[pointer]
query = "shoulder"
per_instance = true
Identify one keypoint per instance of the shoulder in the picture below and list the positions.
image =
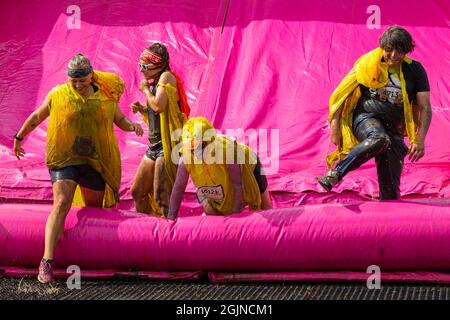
(57, 89)
(110, 83)
(415, 67)
(108, 78)
(168, 77)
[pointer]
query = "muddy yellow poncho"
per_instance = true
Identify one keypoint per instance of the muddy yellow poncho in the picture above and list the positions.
(371, 72)
(213, 171)
(80, 131)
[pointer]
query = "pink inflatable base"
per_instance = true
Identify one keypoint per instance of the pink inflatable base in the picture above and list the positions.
(322, 241)
(266, 70)
(17, 272)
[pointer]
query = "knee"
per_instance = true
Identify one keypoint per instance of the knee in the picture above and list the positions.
(208, 209)
(266, 203)
(62, 205)
(159, 167)
(381, 142)
(160, 177)
(137, 193)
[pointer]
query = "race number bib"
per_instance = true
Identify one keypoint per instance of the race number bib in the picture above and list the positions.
(210, 192)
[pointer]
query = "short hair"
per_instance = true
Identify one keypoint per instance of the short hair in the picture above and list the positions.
(397, 38)
(79, 61)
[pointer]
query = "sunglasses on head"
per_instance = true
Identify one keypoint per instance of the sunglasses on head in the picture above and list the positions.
(147, 67)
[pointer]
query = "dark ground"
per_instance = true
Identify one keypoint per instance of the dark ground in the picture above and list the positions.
(30, 289)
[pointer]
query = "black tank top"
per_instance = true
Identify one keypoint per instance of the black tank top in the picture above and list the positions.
(154, 125)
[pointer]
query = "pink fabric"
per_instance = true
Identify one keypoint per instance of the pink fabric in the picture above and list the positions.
(270, 66)
(102, 274)
(395, 235)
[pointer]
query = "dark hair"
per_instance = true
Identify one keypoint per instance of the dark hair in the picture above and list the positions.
(397, 38)
(161, 50)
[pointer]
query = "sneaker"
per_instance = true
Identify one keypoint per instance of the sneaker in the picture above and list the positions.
(45, 271)
(329, 180)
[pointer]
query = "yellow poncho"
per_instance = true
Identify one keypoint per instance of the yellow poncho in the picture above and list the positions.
(371, 72)
(80, 131)
(213, 171)
(171, 120)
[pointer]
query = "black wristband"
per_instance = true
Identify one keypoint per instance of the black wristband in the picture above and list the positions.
(17, 137)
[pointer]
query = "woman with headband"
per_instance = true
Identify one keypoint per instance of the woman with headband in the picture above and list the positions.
(82, 151)
(165, 110)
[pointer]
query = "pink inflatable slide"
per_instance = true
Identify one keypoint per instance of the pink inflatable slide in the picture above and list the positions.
(262, 71)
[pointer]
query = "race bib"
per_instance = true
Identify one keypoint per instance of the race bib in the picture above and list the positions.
(210, 192)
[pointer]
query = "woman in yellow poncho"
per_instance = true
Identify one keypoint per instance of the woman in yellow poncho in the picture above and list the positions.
(82, 152)
(227, 174)
(165, 111)
(372, 108)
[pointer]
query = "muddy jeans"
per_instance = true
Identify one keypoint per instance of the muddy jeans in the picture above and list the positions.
(379, 141)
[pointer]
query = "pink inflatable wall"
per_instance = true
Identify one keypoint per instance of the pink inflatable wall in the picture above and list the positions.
(266, 67)
(309, 243)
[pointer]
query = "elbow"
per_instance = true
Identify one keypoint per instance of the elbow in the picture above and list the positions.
(35, 119)
(158, 106)
(158, 109)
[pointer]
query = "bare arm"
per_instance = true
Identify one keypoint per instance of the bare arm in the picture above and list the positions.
(158, 102)
(417, 148)
(125, 124)
(178, 190)
(33, 120)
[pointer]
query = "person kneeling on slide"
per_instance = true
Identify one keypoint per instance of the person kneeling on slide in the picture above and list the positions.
(228, 175)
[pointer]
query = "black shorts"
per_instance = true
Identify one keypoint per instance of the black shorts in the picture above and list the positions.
(260, 177)
(82, 174)
(155, 151)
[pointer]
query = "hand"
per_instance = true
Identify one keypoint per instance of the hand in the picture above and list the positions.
(144, 86)
(137, 129)
(336, 137)
(171, 215)
(137, 106)
(416, 150)
(18, 150)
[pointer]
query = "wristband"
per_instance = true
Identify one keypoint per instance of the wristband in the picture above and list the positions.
(17, 137)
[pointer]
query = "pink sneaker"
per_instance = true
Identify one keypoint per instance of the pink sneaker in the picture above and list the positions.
(45, 271)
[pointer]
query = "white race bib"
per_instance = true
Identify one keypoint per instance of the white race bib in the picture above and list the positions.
(210, 192)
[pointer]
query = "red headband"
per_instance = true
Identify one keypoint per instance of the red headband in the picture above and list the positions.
(151, 57)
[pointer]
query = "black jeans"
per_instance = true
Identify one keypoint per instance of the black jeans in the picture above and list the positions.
(388, 148)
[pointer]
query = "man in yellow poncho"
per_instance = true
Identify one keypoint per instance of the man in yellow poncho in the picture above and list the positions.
(372, 108)
(227, 174)
(82, 150)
